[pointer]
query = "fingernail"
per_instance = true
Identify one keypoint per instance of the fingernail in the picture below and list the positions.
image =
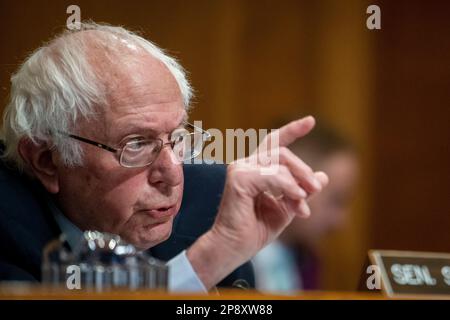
(305, 209)
(302, 193)
(316, 184)
(310, 117)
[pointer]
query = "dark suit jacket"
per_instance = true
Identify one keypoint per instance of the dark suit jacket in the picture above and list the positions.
(27, 224)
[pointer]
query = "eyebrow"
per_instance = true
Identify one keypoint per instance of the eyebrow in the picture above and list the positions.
(133, 129)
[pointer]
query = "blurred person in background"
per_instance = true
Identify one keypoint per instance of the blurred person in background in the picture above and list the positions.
(292, 263)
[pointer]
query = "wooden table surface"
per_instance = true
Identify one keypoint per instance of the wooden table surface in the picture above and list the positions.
(35, 292)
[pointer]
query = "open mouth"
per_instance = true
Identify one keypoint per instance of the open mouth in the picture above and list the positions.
(164, 209)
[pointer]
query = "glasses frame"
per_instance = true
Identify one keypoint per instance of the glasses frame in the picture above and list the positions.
(118, 151)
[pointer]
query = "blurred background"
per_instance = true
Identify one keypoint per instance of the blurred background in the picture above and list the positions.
(255, 62)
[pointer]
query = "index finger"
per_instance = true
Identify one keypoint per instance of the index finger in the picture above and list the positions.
(288, 133)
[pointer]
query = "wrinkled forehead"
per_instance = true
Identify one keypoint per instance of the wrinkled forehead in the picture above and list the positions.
(148, 97)
(136, 112)
(139, 89)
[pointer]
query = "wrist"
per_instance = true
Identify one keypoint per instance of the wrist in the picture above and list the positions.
(213, 257)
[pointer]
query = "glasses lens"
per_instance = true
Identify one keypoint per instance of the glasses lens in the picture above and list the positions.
(188, 145)
(140, 153)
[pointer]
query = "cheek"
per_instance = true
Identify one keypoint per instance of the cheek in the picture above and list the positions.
(101, 201)
(119, 200)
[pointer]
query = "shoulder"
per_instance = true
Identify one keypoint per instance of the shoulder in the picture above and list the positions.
(25, 224)
(203, 187)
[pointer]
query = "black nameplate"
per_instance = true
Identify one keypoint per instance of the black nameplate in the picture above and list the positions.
(406, 273)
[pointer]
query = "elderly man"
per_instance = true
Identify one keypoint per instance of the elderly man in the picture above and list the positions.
(99, 117)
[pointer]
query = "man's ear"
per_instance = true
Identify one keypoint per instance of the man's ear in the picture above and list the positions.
(42, 162)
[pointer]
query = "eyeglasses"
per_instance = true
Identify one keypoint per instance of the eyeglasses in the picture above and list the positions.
(141, 152)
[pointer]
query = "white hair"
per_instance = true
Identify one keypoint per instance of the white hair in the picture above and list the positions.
(56, 85)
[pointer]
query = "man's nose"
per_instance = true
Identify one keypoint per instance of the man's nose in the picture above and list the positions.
(166, 168)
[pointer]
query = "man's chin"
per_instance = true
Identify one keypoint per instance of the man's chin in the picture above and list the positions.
(151, 236)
